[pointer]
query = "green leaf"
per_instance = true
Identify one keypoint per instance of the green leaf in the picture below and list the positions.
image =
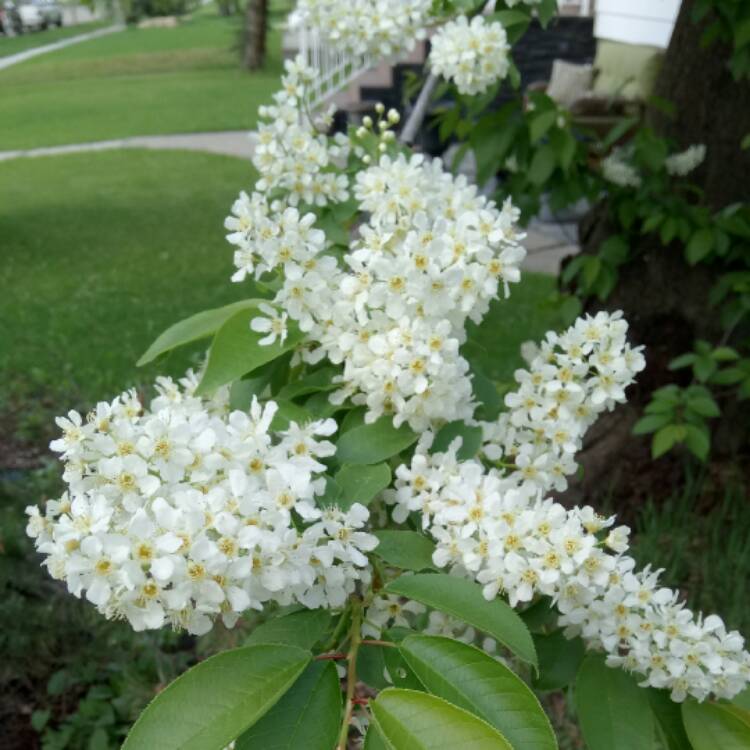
(592, 266)
(559, 660)
(666, 438)
(704, 367)
(684, 360)
(668, 719)
(614, 250)
(401, 674)
(547, 11)
(307, 716)
(236, 351)
(697, 441)
(618, 131)
(710, 726)
(485, 390)
(287, 413)
(490, 139)
(360, 484)
(541, 123)
(374, 740)
(573, 268)
(409, 550)
(509, 18)
(725, 354)
(371, 667)
(471, 679)
(700, 245)
(471, 439)
(302, 629)
(651, 423)
(214, 702)
(242, 391)
(703, 405)
(742, 699)
(566, 146)
(331, 494)
(613, 712)
(315, 382)
(539, 615)
(729, 376)
(410, 720)
(463, 599)
(542, 165)
(373, 443)
(196, 327)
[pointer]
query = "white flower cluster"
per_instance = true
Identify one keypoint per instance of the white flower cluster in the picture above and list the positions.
(291, 154)
(498, 527)
(513, 542)
(474, 55)
(618, 171)
(188, 511)
(682, 164)
(366, 27)
(432, 255)
(572, 378)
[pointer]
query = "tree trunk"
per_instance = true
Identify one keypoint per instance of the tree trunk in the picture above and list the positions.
(664, 299)
(256, 20)
(711, 108)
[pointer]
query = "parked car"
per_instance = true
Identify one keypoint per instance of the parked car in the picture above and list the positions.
(10, 19)
(39, 14)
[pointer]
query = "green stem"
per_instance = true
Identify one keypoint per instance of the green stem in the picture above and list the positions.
(340, 625)
(355, 639)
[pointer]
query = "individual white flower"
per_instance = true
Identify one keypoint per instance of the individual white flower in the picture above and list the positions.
(387, 611)
(274, 325)
(473, 55)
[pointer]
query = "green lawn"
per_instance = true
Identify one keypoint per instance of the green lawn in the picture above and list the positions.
(13, 44)
(136, 82)
(100, 253)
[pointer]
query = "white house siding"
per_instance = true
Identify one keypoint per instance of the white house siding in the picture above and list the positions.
(636, 21)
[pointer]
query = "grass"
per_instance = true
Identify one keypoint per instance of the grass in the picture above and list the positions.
(101, 253)
(703, 550)
(136, 82)
(11, 45)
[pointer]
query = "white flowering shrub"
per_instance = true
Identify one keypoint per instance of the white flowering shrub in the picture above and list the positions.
(325, 481)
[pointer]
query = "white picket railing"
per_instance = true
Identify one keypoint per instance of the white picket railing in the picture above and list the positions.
(335, 69)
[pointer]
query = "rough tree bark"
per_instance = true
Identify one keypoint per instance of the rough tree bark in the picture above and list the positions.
(256, 21)
(664, 299)
(711, 108)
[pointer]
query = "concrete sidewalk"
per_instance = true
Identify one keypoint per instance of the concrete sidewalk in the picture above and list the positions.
(19, 57)
(239, 143)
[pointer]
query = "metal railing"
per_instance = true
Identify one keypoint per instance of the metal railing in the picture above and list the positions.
(335, 69)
